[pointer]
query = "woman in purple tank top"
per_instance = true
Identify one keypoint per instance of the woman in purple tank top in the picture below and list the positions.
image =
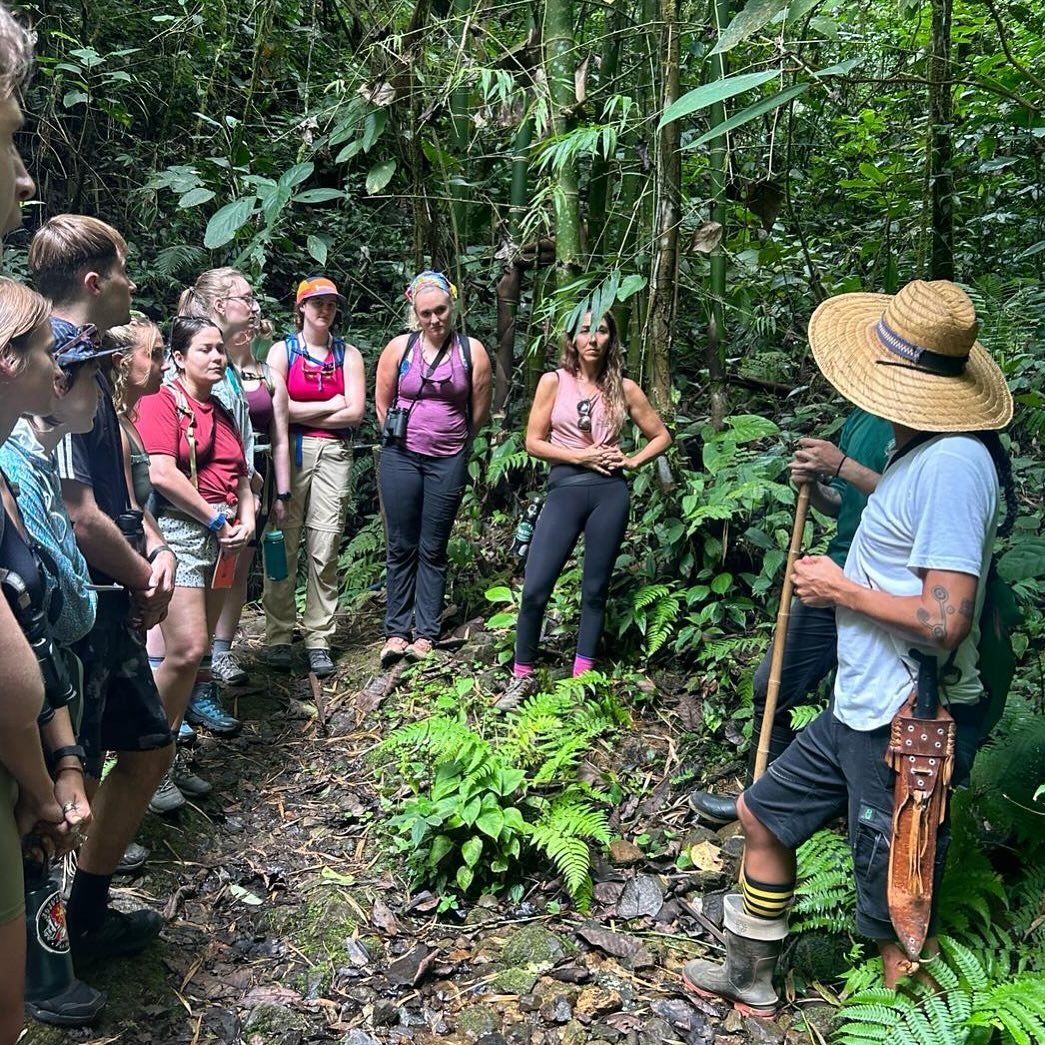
(575, 424)
(432, 394)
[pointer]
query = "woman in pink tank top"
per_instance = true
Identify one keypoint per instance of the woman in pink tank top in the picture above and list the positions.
(326, 396)
(432, 393)
(575, 425)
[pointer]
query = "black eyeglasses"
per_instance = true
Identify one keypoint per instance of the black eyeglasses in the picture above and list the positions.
(584, 414)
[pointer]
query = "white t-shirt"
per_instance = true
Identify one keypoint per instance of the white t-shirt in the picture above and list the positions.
(934, 509)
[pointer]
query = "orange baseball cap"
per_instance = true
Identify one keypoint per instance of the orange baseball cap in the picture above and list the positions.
(317, 287)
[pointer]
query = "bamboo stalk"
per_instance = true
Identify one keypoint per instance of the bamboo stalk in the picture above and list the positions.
(780, 632)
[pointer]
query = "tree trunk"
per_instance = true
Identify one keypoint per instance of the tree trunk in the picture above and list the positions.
(509, 286)
(718, 163)
(600, 180)
(559, 62)
(941, 114)
(660, 323)
(459, 128)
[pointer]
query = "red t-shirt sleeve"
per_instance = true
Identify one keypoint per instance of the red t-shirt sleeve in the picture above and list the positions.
(158, 424)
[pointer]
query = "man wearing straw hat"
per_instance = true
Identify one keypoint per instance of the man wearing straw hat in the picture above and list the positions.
(910, 588)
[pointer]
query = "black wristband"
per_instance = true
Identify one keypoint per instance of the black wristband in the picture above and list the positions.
(158, 551)
(69, 751)
(838, 470)
(283, 496)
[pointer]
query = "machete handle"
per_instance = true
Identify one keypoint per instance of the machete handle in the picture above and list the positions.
(927, 699)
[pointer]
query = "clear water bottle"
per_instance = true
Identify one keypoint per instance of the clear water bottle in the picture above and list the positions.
(524, 531)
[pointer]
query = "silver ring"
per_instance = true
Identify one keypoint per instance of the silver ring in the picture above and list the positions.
(68, 806)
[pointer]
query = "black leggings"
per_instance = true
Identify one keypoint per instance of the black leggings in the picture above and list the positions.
(583, 502)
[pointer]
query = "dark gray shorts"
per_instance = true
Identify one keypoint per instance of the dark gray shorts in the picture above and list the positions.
(122, 710)
(831, 770)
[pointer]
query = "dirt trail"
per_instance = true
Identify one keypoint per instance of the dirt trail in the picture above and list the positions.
(287, 922)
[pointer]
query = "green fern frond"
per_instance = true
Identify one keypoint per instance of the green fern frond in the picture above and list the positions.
(649, 594)
(825, 893)
(661, 623)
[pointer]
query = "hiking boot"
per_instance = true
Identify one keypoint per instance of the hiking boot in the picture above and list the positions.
(119, 935)
(518, 689)
(278, 657)
(186, 736)
(167, 798)
(419, 649)
(205, 709)
(713, 809)
(133, 859)
(746, 976)
(393, 650)
(319, 662)
(187, 782)
(225, 669)
(77, 1006)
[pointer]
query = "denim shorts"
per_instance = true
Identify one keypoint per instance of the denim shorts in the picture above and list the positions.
(831, 770)
(122, 710)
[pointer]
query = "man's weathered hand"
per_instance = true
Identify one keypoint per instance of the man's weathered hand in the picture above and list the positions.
(818, 581)
(814, 459)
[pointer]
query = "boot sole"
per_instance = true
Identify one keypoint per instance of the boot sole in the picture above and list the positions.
(741, 1007)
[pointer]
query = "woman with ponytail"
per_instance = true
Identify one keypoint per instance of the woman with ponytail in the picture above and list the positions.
(575, 424)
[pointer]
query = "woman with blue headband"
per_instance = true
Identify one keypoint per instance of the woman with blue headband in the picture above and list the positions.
(432, 394)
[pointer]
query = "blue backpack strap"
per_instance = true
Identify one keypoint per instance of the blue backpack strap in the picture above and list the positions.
(293, 347)
(339, 352)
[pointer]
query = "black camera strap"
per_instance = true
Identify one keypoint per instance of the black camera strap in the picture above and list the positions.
(412, 342)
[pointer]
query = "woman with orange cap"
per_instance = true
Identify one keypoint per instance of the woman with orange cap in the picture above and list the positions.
(324, 378)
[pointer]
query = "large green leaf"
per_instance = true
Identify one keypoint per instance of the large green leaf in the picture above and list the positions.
(317, 247)
(379, 176)
(226, 222)
(472, 850)
(752, 112)
(756, 14)
(194, 197)
(1024, 561)
(720, 90)
(319, 195)
(296, 175)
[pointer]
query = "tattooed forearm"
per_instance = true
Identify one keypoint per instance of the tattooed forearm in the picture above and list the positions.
(934, 621)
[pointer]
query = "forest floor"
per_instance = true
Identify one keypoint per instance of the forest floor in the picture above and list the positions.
(289, 922)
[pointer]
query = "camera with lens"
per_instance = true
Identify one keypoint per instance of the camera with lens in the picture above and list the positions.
(394, 430)
(58, 689)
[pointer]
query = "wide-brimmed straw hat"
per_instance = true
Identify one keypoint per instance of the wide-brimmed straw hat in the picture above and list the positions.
(912, 358)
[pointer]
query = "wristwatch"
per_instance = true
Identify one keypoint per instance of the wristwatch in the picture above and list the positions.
(158, 551)
(216, 523)
(283, 496)
(69, 751)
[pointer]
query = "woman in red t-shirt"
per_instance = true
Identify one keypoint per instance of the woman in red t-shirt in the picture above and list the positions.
(198, 469)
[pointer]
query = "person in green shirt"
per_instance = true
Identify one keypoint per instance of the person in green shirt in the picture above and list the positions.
(842, 478)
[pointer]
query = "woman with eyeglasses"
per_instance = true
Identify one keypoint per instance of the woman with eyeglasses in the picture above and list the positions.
(432, 394)
(199, 471)
(326, 396)
(225, 297)
(266, 394)
(575, 425)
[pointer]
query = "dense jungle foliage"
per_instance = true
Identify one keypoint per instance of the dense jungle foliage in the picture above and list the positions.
(710, 170)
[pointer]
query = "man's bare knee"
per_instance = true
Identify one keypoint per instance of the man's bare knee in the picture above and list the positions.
(144, 768)
(755, 832)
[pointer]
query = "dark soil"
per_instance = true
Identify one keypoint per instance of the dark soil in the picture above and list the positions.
(288, 922)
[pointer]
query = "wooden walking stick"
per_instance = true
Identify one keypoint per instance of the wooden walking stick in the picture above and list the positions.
(783, 616)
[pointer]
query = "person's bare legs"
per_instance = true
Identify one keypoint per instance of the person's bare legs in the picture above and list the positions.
(766, 858)
(234, 598)
(186, 639)
(12, 980)
(119, 806)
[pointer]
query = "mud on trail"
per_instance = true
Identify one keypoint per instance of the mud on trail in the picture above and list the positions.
(289, 920)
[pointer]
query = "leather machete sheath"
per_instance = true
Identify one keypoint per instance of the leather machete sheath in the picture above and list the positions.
(921, 751)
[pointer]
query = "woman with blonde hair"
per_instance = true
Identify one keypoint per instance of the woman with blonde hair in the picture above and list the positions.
(432, 394)
(225, 298)
(575, 425)
(326, 397)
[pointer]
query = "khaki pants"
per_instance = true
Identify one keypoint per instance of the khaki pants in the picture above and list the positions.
(320, 489)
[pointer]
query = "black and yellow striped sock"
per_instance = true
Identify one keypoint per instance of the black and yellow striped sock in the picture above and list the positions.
(762, 900)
